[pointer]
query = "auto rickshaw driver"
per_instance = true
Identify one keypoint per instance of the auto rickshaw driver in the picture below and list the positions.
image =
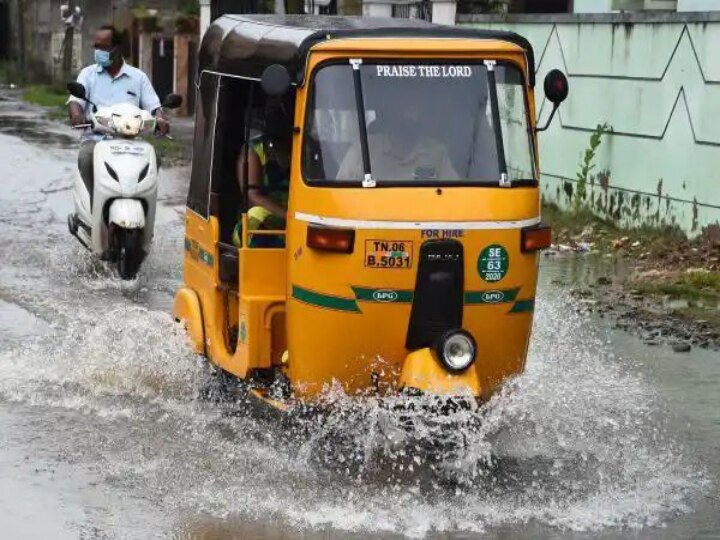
(399, 144)
(268, 177)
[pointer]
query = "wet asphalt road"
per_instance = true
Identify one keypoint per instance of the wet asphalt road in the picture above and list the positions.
(102, 433)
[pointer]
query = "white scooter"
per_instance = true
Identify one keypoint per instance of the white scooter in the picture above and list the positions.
(116, 220)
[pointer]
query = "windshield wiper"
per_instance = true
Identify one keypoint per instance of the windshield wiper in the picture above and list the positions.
(360, 104)
(495, 109)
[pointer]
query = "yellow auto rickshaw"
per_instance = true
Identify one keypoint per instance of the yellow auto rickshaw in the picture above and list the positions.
(407, 257)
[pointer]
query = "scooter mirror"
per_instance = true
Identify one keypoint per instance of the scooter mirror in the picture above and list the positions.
(275, 80)
(172, 101)
(76, 89)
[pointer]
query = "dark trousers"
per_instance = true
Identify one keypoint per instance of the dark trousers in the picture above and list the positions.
(85, 165)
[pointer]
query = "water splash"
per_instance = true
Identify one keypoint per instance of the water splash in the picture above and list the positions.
(577, 442)
(126, 351)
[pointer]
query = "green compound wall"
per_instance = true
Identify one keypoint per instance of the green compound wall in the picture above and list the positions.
(655, 79)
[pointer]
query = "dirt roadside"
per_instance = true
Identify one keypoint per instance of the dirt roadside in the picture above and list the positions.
(659, 285)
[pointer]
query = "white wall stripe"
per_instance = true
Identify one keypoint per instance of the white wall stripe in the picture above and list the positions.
(424, 225)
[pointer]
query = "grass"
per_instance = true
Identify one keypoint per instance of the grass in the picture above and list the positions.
(571, 222)
(692, 286)
(568, 225)
(46, 96)
(169, 151)
(707, 281)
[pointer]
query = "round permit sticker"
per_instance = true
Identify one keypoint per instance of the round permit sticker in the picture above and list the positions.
(493, 263)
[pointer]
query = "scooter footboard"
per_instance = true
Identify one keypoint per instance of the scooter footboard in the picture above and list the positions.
(127, 213)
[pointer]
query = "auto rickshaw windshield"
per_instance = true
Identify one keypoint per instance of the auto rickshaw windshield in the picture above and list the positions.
(426, 123)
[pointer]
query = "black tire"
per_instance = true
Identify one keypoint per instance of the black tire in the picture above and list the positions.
(130, 254)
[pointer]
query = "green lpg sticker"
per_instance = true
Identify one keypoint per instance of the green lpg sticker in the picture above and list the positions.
(493, 263)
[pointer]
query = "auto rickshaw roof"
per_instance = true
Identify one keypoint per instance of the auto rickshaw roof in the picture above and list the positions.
(244, 45)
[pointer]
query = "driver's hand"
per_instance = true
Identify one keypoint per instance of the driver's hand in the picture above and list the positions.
(163, 126)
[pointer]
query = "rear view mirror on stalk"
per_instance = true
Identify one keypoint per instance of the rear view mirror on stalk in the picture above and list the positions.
(556, 86)
(556, 90)
(76, 90)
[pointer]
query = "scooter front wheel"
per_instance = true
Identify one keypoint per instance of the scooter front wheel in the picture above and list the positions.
(130, 253)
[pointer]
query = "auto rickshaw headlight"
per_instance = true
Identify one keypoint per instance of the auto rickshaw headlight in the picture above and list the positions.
(456, 350)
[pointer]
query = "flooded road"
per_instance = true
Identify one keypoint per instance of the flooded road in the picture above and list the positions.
(102, 433)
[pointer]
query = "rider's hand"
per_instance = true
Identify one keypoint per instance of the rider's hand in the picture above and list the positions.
(163, 126)
(76, 113)
(76, 119)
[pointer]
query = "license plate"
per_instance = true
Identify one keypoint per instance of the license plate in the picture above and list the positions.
(126, 149)
(388, 254)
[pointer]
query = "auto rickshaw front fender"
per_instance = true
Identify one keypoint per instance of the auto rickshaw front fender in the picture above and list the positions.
(423, 371)
(188, 310)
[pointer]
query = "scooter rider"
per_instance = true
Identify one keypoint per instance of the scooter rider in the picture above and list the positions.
(108, 82)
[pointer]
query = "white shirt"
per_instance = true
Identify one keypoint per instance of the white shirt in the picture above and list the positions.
(130, 85)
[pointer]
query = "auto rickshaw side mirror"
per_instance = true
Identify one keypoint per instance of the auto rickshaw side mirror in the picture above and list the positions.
(556, 90)
(275, 80)
(172, 101)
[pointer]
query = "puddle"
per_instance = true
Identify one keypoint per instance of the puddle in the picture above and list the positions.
(35, 131)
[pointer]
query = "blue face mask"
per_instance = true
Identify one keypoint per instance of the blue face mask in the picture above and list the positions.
(102, 58)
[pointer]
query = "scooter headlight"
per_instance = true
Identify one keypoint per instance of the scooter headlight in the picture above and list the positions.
(456, 350)
(127, 125)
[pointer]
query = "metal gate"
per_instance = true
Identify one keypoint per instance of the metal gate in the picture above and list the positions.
(321, 7)
(163, 60)
(414, 10)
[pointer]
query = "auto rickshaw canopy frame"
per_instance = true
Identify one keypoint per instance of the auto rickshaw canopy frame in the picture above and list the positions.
(245, 45)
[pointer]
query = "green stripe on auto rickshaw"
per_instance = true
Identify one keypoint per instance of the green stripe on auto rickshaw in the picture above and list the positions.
(324, 300)
(524, 306)
(394, 296)
(206, 257)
